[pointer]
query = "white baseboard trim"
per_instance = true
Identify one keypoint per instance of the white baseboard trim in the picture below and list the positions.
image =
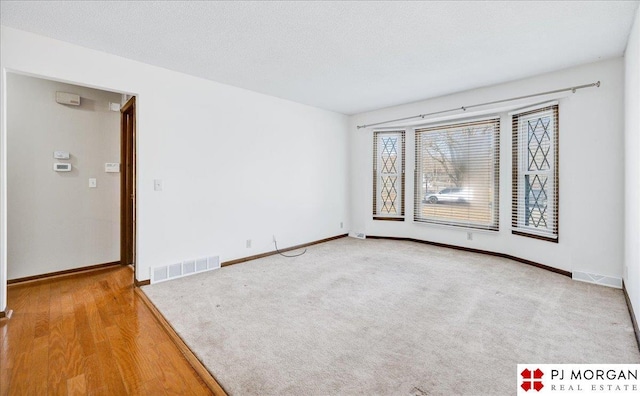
(597, 279)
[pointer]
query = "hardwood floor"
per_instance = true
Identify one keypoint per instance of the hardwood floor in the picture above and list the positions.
(89, 334)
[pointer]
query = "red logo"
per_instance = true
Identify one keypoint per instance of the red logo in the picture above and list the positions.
(532, 379)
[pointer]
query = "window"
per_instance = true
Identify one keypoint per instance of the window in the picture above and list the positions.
(457, 174)
(535, 173)
(388, 175)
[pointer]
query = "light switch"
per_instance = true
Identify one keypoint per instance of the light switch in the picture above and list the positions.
(157, 185)
(93, 183)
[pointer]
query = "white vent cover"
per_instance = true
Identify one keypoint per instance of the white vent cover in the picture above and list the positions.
(187, 267)
(597, 279)
(159, 274)
(175, 270)
(359, 235)
(201, 264)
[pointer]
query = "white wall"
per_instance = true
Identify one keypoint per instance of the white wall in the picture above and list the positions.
(591, 173)
(632, 166)
(235, 164)
(55, 221)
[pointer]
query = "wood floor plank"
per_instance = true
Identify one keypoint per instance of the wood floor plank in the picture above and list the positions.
(38, 367)
(89, 334)
(93, 374)
(195, 385)
(4, 381)
(102, 391)
(133, 367)
(77, 386)
(172, 379)
(96, 324)
(153, 388)
(20, 297)
(20, 346)
(19, 385)
(55, 303)
(104, 309)
(41, 327)
(66, 300)
(85, 336)
(42, 311)
(109, 369)
(56, 374)
(74, 361)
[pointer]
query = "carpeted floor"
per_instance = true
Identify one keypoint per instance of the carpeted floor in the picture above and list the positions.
(380, 317)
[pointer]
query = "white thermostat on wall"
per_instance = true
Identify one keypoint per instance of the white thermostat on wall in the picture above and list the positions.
(61, 167)
(112, 167)
(61, 154)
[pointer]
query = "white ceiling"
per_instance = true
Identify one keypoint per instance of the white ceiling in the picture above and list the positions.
(347, 57)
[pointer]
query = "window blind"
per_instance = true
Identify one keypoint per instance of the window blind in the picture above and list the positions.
(534, 206)
(457, 174)
(388, 175)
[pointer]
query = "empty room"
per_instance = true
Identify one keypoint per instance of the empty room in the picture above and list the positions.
(319, 198)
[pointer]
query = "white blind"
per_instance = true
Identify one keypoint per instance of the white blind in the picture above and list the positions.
(457, 174)
(388, 175)
(535, 173)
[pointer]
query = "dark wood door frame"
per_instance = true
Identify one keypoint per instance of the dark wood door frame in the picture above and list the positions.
(128, 184)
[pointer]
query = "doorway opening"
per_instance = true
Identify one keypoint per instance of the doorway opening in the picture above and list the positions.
(66, 172)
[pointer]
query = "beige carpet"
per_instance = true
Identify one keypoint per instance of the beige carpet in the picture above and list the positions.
(369, 317)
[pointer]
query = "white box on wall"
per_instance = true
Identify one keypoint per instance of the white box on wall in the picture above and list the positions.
(67, 98)
(112, 167)
(61, 155)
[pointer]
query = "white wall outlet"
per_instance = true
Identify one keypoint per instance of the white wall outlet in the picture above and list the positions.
(469, 236)
(93, 183)
(248, 243)
(157, 185)
(341, 225)
(274, 238)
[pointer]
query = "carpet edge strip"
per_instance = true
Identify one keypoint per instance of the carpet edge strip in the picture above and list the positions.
(634, 321)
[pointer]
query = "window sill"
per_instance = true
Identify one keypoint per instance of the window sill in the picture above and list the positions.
(388, 218)
(460, 228)
(534, 236)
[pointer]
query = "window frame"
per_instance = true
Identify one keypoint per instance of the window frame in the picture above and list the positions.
(468, 224)
(377, 188)
(520, 168)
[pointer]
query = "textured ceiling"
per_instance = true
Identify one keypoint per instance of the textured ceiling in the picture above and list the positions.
(348, 57)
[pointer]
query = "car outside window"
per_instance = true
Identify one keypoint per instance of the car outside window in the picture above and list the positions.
(457, 174)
